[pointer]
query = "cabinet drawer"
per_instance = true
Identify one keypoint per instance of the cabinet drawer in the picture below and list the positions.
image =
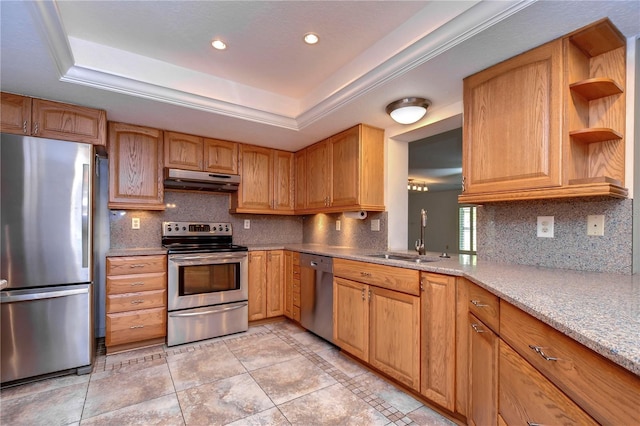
(527, 397)
(136, 301)
(485, 306)
(296, 260)
(135, 326)
(606, 391)
(136, 265)
(296, 299)
(296, 313)
(389, 277)
(296, 272)
(120, 284)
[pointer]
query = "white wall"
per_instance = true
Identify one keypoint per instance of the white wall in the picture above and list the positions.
(396, 196)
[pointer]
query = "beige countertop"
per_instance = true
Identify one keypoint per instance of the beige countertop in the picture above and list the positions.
(601, 311)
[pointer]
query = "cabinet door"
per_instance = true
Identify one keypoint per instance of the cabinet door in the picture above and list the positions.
(300, 159)
(394, 335)
(15, 114)
(68, 122)
(319, 172)
(512, 123)
(527, 397)
(256, 188)
(351, 317)
(275, 283)
(282, 180)
(438, 310)
(182, 151)
(135, 167)
(220, 156)
(257, 285)
(288, 284)
(345, 163)
(483, 374)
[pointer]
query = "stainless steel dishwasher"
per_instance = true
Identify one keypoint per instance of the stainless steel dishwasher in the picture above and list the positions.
(316, 295)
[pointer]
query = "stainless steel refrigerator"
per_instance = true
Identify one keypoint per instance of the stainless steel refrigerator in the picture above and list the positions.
(45, 213)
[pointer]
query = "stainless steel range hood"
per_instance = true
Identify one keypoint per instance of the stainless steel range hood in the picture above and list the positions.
(200, 181)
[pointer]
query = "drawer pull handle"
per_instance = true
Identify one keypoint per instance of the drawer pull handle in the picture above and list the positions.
(137, 302)
(137, 265)
(538, 349)
(365, 274)
(477, 328)
(137, 283)
(136, 326)
(533, 423)
(477, 303)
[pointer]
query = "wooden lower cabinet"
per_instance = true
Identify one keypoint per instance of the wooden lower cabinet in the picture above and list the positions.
(292, 285)
(380, 327)
(483, 374)
(266, 284)
(136, 304)
(527, 397)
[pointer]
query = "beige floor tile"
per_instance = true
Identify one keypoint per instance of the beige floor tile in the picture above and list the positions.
(264, 352)
(270, 417)
(284, 327)
(192, 369)
(223, 402)
(159, 411)
(42, 386)
(57, 406)
(347, 366)
(334, 405)
(291, 379)
(311, 341)
(127, 388)
(427, 417)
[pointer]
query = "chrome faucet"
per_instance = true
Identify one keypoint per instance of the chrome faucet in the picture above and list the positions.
(423, 224)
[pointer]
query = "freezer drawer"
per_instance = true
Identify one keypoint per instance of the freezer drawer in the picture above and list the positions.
(45, 331)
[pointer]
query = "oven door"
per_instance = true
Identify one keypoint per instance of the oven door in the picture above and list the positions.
(204, 279)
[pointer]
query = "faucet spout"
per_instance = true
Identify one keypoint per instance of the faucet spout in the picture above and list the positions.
(420, 247)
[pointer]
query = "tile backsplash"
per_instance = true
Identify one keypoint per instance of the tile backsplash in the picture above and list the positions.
(507, 234)
(353, 233)
(201, 207)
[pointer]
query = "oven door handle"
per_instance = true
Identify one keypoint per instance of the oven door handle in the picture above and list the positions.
(209, 312)
(204, 260)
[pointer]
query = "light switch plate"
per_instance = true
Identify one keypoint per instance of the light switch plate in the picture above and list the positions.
(595, 225)
(375, 224)
(337, 225)
(545, 226)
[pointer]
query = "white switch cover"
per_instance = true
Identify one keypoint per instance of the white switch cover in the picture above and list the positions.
(337, 225)
(595, 225)
(247, 224)
(545, 226)
(375, 224)
(135, 223)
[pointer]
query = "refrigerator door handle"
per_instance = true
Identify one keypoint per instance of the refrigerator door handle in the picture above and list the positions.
(7, 297)
(85, 215)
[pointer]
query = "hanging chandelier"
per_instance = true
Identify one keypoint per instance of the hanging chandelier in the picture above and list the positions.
(415, 185)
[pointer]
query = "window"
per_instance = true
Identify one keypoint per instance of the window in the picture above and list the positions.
(467, 226)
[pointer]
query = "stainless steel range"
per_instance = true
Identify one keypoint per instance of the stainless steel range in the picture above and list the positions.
(207, 281)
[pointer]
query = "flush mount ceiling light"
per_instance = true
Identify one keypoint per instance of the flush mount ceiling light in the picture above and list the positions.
(311, 38)
(408, 110)
(218, 44)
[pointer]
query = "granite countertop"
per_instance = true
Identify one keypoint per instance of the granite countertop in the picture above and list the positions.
(599, 310)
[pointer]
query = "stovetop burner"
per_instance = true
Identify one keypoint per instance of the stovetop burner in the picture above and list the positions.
(198, 237)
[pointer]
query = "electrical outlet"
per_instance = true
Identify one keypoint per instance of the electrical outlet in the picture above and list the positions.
(595, 225)
(545, 226)
(375, 224)
(247, 224)
(135, 223)
(337, 225)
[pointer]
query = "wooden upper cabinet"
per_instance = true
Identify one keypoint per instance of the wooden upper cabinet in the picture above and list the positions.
(220, 156)
(191, 152)
(267, 181)
(47, 119)
(15, 114)
(347, 171)
(135, 167)
(512, 122)
(300, 177)
(548, 123)
(318, 165)
(182, 151)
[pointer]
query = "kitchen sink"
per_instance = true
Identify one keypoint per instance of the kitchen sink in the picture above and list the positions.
(412, 259)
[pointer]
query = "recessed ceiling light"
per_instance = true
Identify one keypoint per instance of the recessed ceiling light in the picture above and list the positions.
(218, 44)
(311, 38)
